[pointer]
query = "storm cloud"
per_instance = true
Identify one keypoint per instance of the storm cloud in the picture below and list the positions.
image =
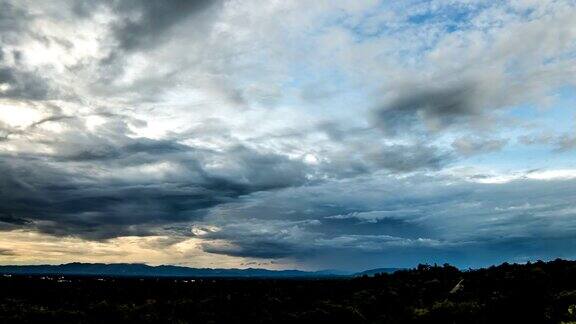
(378, 219)
(169, 184)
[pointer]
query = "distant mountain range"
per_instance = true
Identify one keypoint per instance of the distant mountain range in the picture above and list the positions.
(372, 272)
(143, 270)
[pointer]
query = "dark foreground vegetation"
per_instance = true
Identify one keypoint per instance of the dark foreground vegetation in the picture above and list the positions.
(534, 293)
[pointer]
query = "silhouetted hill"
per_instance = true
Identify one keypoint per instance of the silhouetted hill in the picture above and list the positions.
(539, 292)
(372, 272)
(143, 270)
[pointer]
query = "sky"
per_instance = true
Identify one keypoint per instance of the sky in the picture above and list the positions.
(328, 134)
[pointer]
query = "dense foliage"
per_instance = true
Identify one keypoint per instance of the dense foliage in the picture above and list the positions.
(532, 293)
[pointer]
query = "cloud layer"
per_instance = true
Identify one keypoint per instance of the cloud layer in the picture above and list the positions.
(333, 134)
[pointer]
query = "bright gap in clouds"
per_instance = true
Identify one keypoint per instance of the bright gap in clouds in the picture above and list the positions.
(333, 134)
(18, 115)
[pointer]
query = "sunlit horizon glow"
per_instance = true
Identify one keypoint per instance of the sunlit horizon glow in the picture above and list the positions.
(287, 134)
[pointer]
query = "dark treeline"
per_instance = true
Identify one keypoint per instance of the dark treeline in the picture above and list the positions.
(532, 293)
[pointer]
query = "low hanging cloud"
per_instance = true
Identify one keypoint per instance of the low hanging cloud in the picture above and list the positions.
(395, 219)
(97, 206)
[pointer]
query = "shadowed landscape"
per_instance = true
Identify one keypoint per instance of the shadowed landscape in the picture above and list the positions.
(510, 293)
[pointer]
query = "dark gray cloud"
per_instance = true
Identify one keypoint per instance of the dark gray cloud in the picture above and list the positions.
(268, 249)
(146, 22)
(143, 26)
(430, 106)
(135, 28)
(406, 158)
(63, 194)
(364, 158)
(364, 151)
(143, 22)
(105, 183)
(9, 219)
(23, 85)
(398, 222)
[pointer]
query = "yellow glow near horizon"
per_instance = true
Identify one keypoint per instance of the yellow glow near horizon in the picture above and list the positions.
(21, 247)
